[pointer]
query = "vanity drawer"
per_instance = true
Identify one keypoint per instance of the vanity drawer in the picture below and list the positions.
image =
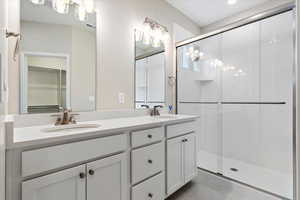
(180, 129)
(45, 159)
(147, 161)
(150, 189)
(140, 138)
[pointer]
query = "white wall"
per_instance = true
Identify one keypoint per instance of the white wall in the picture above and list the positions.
(245, 14)
(83, 70)
(180, 33)
(117, 22)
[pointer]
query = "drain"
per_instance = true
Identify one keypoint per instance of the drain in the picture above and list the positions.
(234, 169)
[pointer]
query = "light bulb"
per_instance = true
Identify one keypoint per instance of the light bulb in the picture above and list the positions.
(146, 39)
(147, 28)
(156, 42)
(61, 6)
(231, 2)
(38, 2)
(157, 33)
(89, 5)
(166, 36)
(138, 35)
(80, 13)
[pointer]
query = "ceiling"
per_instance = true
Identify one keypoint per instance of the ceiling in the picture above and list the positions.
(205, 12)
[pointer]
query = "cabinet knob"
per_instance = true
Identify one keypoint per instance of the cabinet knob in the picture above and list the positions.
(91, 172)
(149, 136)
(150, 161)
(150, 195)
(184, 140)
(82, 175)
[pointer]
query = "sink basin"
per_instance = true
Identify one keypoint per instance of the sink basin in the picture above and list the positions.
(71, 126)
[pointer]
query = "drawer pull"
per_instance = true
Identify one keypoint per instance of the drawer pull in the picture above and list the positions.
(150, 195)
(82, 175)
(150, 136)
(184, 140)
(91, 172)
(150, 161)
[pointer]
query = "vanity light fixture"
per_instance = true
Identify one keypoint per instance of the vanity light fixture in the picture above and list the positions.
(89, 5)
(38, 2)
(81, 7)
(153, 33)
(80, 13)
(231, 2)
(61, 6)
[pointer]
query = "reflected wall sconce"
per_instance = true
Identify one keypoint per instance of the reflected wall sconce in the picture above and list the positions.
(82, 7)
(153, 33)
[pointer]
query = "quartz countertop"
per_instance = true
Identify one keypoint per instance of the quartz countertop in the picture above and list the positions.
(34, 136)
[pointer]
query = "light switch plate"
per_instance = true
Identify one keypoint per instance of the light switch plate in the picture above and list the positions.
(121, 98)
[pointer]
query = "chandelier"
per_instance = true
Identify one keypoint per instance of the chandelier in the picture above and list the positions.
(82, 7)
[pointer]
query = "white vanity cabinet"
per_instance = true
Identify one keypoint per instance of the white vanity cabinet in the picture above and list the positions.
(181, 160)
(148, 164)
(67, 184)
(140, 163)
(105, 178)
(108, 179)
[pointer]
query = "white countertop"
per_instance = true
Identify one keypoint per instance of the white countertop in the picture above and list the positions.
(32, 136)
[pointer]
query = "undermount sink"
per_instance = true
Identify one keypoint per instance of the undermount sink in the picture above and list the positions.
(71, 126)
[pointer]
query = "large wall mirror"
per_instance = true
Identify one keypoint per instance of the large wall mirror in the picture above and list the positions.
(58, 59)
(150, 70)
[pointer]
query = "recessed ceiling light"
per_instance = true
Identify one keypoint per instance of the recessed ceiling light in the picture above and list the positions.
(231, 2)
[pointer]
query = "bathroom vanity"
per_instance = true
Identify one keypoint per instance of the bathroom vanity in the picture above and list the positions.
(137, 158)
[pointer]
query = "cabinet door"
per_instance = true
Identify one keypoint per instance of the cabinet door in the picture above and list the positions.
(108, 179)
(66, 185)
(190, 167)
(175, 176)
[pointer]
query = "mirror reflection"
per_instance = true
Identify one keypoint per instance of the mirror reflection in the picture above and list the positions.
(57, 50)
(149, 72)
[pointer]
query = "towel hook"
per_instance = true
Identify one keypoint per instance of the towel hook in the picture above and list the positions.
(17, 45)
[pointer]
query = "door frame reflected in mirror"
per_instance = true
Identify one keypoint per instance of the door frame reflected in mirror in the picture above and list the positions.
(24, 77)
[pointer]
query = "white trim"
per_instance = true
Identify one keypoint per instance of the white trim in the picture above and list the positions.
(24, 77)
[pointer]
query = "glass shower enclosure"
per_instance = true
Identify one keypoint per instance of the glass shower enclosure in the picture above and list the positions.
(240, 83)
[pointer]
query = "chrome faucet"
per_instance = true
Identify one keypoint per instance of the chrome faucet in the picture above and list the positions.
(65, 118)
(155, 111)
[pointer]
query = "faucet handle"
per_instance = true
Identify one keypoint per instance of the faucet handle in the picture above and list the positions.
(158, 106)
(145, 106)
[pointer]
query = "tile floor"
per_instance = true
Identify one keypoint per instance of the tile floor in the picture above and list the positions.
(211, 187)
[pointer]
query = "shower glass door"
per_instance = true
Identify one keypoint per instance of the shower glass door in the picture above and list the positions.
(240, 83)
